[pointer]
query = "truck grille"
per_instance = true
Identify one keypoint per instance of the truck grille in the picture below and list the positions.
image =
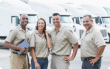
(104, 32)
(80, 33)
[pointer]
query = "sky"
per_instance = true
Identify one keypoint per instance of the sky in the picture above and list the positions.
(77, 2)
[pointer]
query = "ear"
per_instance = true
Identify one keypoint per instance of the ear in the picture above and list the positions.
(19, 19)
(60, 19)
(92, 21)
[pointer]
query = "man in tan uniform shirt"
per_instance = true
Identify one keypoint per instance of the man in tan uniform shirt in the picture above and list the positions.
(13, 39)
(62, 40)
(92, 45)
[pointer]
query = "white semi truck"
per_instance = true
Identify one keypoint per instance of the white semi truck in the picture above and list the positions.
(78, 12)
(10, 12)
(45, 10)
(102, 18)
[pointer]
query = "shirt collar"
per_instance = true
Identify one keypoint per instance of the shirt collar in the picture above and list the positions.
(92, 28)
(60, 29)
(20, 28)
(36, 31)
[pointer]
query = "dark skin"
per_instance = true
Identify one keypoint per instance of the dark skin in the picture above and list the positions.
(24, 22)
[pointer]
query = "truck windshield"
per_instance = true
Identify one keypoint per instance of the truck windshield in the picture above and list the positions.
(107, 10)
(106, 19)
(66, 19)
(32, 18)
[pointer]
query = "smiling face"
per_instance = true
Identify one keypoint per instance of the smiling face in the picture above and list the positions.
(41, 25)
(56, 21)
(87, 23)
(24, 20)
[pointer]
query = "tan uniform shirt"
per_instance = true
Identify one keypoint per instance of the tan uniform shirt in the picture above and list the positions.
(40, 44)
(62, 41)
(90, 42)
(17, 35)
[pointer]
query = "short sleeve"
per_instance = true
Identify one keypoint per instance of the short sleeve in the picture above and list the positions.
(32, 40)
(28, 37)
(12, 35)
(98, 39)
(71, 37)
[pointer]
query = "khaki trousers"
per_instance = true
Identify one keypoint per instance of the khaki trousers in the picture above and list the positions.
(18, 61)
(57, 62)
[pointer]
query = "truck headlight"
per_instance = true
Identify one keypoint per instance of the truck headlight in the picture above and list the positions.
(74, 28)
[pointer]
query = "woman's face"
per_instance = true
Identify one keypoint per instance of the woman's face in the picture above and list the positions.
(41, 24)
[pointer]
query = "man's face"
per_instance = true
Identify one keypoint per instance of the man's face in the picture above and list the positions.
(56, 20)
(87, 22)
(24, 20)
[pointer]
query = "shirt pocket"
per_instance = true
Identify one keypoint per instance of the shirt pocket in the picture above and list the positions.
(20, 37)
(63, 39)
(89, 40)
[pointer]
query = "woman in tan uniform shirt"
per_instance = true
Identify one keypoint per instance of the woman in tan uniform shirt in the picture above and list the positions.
(40, 44)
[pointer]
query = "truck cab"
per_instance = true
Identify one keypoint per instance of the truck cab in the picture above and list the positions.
(99, 11)
(45, 10)
(78, 12)
(104, 21)
(10, 12)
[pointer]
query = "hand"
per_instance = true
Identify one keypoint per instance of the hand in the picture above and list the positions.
(46, 32)
(28, 65)
(22, 49)
(93, 61)
(37, 66)
(67, 58)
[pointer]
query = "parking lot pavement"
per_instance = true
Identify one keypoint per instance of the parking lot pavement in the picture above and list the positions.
(75, 64)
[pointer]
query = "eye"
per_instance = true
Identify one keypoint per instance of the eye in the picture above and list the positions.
(23, 18)
(83, 21)
(57, 18)
(87, 21)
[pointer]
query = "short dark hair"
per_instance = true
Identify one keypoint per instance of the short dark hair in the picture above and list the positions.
(87, 15)
(23, 15)
(55, 14)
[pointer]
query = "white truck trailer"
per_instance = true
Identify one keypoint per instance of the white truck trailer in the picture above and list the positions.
(10, 12)
(102, 18)
(45, 10)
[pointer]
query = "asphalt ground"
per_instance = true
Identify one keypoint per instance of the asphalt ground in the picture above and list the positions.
(75, 64)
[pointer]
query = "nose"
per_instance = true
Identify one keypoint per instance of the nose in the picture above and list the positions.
(25, 19)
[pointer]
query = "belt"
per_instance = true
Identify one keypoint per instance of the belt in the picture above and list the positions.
(41, 58)
(59, 55)
(88, 58)
(17, 53)
(54, 54)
